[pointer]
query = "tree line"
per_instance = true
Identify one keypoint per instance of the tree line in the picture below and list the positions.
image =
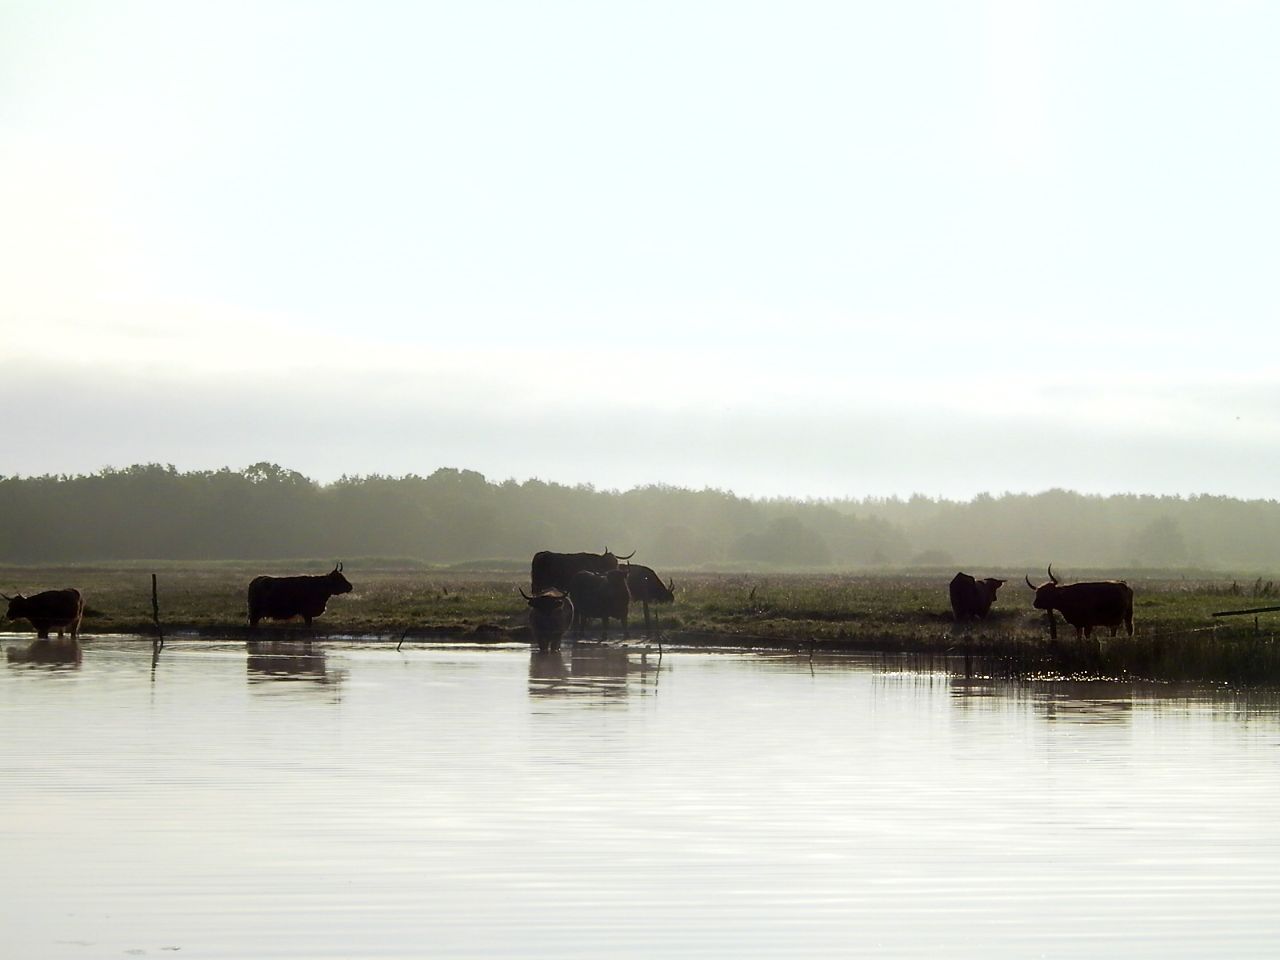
(265, 511)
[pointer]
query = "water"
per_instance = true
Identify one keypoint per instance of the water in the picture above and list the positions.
(464, 802)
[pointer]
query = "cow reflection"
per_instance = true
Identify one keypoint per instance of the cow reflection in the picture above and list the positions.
(288, 660)
(46, 651)
(591, 669)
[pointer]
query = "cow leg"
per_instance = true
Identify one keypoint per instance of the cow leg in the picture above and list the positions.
(626, 631)
(1128, 624)
(1053, 627)
(604, 628)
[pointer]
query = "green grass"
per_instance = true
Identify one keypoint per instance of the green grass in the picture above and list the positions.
(1176, 636)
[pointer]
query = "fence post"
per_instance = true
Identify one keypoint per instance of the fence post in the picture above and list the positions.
(155, 614)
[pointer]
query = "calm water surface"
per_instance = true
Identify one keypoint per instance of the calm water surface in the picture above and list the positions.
(463, 802)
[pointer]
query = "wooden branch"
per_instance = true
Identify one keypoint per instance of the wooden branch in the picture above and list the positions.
(1235, 613)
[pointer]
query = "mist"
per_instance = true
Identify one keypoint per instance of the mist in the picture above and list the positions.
(326, 424)
(452, 516)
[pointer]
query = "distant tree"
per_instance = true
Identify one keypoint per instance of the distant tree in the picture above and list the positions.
(1158, 543)
(785, 541)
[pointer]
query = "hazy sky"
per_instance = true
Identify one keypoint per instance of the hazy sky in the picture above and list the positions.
(780, 248)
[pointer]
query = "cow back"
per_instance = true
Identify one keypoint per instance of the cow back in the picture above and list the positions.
(1100, 603)
(554, 570)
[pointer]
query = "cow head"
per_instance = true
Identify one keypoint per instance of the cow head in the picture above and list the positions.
(646, 585)
(548, 601)
(1046, 593)
(337, 582)
(993, 585)
(611, 560)
(17, 606)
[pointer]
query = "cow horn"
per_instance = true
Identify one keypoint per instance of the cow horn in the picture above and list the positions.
(6, 596)
(628, 556)
(1051, 576)
(671, 586)
(1029, 583)
(523, 594)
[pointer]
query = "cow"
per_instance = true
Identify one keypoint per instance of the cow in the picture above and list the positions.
(59, 610)
(283, 598)
(602, 595)
(553, 570)
(647, 587)
(1098, 603)
(971, 598)
(550, 616)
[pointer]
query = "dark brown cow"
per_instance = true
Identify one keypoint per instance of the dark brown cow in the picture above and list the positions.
(971, 598)
(601, 595)
(59, 610)
(1098, 603)
(550, 616)
(283, 598)
(647, 587)
(554, 570)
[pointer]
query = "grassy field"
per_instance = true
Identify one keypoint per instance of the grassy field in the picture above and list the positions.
(1176, 636)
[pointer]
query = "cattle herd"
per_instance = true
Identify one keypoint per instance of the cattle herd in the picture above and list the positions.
(571, 589)
(1084, 605)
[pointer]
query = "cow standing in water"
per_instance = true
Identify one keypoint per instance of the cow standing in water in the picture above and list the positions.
(550, 616)
(59, 610)
(283, 598)
(647, 587)
(1097, 603)
(971, 598)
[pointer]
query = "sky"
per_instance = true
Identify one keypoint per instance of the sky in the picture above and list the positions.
(803, 249)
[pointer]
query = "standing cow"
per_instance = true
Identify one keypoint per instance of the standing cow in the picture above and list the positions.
(550, 616)
(601, 595)
(554, 570)
(283, 598)
(60, 610)
(971, 599)
(647, 587)
(1098, 603)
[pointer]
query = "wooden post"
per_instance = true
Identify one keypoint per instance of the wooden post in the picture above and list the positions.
(155, 614)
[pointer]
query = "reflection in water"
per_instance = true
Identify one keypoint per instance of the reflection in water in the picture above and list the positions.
(589, 668)
(65, 651)
(763, 806)
(1063, 701)
(289, 660)
(1109, 702)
